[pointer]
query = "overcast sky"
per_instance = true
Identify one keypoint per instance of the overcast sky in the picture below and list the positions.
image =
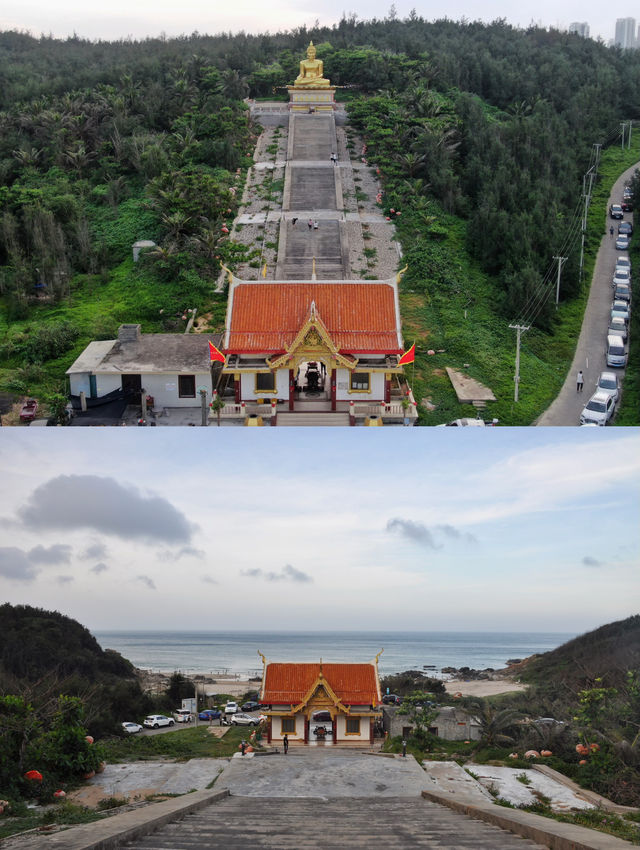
(503, 529)
(120, 19)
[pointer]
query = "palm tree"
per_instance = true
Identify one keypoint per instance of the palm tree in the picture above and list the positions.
(494, 724)
(233, 86)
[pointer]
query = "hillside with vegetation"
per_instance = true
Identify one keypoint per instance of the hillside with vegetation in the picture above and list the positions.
(481, 135)
(579, 715)
(44, 654)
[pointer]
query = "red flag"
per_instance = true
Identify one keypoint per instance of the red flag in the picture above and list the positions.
(409, 356)
(215, 354)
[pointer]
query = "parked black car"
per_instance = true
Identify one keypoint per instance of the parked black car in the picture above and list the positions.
(391, 699)
(252, 705)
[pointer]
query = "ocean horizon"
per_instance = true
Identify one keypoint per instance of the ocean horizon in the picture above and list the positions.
(238, 652)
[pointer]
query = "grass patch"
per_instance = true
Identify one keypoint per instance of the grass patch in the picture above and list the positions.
(63, 813)
(184, 744)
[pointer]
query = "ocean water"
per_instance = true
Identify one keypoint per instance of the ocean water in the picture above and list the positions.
(237, 652)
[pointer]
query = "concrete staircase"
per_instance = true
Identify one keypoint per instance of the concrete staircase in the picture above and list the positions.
(243, 823)
(313, 419)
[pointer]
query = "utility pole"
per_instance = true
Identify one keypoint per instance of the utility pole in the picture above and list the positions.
(629, 139)
(622, 126)
(598, 148)
(519, 329)
(560, 262)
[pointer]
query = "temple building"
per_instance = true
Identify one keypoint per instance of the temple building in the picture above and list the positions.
(314, 346)
(330, 703)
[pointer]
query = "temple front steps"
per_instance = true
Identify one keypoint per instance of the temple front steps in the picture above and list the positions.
(312, 419)
(303, 823)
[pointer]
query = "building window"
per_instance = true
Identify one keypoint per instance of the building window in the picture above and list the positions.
(265, 382)
(360, 381)
(406, 731)
(187, 386)
(288, 725)
(353, 725)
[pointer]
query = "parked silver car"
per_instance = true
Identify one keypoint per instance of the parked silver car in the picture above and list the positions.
(617, 327)
(608, 383)
(241, 719)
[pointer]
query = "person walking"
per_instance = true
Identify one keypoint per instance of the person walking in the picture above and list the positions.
(285, 744)
(310, 223)
(293, 222)
(579, 382)
(611, 231)
(315, 224)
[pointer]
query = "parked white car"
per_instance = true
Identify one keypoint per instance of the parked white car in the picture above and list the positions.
(621, 275)
(598, 410)
(153, 721)
(464, 423)
(608, 383)
(131, 728)
(231, 708)
(182, 715)
(623, 263)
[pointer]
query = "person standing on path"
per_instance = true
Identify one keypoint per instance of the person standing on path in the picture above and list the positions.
(293, 222)
(285, 744)
(315, 225)
(579, 381)
(310, 223)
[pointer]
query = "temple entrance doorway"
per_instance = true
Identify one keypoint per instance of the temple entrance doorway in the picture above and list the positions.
(312, 381)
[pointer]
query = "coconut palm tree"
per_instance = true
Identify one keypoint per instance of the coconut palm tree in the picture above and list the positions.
(495, 724)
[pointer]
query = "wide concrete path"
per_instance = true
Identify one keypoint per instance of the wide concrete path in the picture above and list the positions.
(313, 192)
(324, 773)
(590, 350)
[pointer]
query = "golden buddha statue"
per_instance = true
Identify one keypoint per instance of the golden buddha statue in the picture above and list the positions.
(311, 70)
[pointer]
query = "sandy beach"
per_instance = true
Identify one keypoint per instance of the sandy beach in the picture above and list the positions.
(484, 687)
(238, 687)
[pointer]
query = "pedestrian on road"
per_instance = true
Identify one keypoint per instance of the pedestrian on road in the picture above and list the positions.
(243, 746)
(579, 381)
(293, 222)
(315, 225)
(310, 223)
(285, 744)
(611, 231)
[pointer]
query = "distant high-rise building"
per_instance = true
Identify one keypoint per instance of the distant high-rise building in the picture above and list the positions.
(625, 36)
(580, 28)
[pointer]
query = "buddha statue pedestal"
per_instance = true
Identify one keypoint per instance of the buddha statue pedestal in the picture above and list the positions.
(311, 99)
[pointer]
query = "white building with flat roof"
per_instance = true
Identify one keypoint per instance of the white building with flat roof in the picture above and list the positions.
(625, 36)
(580, 28)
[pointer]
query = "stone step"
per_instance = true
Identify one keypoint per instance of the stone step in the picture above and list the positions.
(312, 420)
(242, 823)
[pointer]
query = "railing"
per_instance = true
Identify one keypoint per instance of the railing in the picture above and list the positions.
(231, 410)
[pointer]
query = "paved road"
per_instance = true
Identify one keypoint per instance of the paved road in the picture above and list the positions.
(590, 351)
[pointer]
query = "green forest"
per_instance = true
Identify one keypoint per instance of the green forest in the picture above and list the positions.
(481, 134)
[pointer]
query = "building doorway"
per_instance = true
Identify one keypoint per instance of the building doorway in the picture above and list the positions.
(311, 381)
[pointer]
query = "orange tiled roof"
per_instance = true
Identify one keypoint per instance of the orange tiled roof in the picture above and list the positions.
(353, 684)
(360, 317)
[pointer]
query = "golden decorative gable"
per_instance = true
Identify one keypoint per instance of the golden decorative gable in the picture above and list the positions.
(312, 342)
